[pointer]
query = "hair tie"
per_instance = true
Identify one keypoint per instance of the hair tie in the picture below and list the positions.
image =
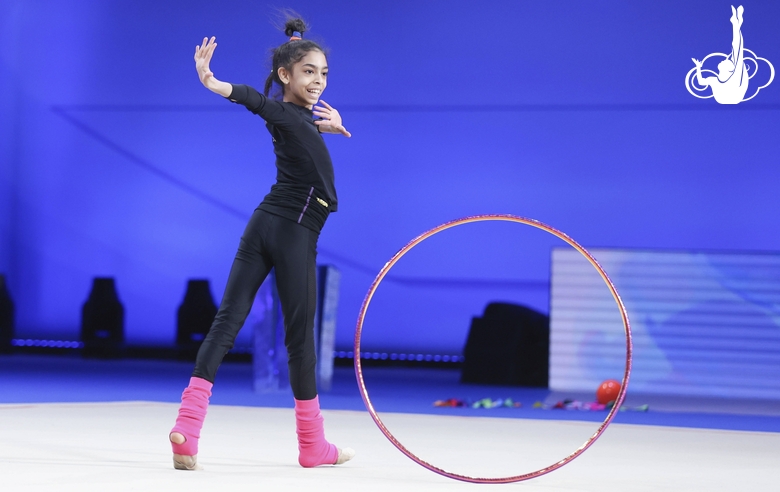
(296, 36)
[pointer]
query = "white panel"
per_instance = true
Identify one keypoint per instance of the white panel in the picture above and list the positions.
(703, 324)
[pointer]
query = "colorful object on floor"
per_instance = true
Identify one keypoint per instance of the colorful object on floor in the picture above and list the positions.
(452, 402)
(501, 402)
(579, 405)
(414, 242)
(640, 408)
(483, 403)
(608, 391)
(587, 406)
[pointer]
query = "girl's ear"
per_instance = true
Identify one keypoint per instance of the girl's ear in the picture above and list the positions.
(284, 75)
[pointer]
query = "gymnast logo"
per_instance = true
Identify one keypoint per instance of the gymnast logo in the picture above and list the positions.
(729, 85)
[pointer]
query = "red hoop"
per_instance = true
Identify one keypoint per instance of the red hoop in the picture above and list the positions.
(426, 235)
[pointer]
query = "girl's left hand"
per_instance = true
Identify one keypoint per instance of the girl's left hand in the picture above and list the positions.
(331, 120)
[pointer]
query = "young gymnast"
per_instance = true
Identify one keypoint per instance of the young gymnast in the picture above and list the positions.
(282, 234)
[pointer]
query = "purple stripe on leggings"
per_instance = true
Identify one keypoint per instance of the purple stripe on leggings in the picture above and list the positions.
(308, 198)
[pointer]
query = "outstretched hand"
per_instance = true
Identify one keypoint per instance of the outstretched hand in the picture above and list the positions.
(696, 62)
(202, 59)
(203, 55)
(331, 119)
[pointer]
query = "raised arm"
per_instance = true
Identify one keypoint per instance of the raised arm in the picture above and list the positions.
(701, 80)
(203, 55)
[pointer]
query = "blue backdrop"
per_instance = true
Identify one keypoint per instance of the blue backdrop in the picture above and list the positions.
(117, 162)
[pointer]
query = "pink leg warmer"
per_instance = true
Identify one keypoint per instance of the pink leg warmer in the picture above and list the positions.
(192, 412)
(313, 449)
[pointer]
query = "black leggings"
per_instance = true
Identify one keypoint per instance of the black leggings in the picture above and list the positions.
(270, 241)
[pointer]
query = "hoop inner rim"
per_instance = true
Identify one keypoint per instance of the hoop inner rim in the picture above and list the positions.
(483, 218)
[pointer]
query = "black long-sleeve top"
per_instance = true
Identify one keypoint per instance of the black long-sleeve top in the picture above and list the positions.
(304, 189)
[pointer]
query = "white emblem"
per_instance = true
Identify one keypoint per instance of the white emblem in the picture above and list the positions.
(729, 85)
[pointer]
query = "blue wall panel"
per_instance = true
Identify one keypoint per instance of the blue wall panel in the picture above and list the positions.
(115, 161)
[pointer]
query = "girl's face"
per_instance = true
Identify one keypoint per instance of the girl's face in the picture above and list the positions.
(305, 83)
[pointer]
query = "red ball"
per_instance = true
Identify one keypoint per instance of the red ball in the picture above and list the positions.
(608, 391)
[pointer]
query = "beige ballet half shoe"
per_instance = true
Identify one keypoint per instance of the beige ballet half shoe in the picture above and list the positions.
(345, 455)
(182, 462)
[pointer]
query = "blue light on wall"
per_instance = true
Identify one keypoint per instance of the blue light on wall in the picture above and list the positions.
(119, 164)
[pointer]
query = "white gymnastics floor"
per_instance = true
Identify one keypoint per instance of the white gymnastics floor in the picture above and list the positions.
(122, 446)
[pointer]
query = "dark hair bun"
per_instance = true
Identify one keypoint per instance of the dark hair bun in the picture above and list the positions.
(294, 24)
